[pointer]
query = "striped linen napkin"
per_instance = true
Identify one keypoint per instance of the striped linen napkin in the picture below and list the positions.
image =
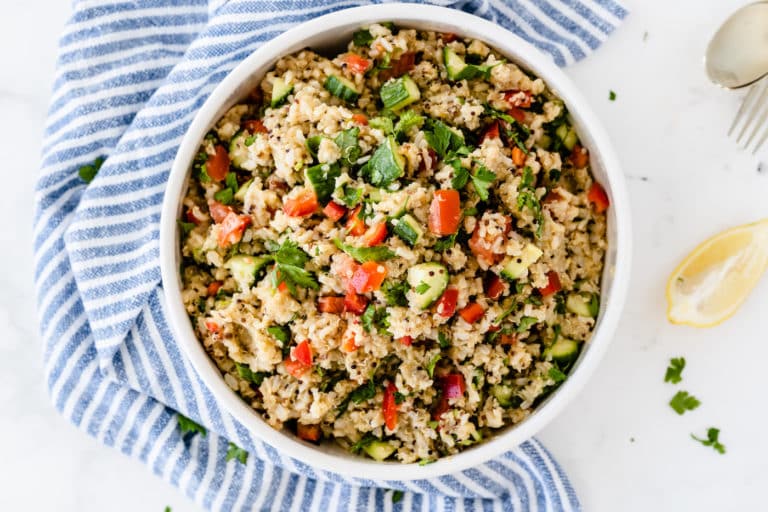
(131, 75)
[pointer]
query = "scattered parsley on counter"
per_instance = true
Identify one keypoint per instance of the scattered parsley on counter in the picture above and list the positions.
(188, 426)
(89, 171)
(612, 96)
(712, 440)
(675, 370)
(235, 452)
(682, 402)
(397, 495)
(167, 509)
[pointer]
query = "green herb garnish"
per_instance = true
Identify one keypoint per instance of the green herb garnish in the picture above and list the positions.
(611, 95)
(395, 293)
(397, 495)
(362, 37)
(188, 426)
(527, 198)
(525, 323)
(237, 453)
(556, 375)
(88, 172)
(675, 370)
(682, 402)
(363, 254)
(712, 440)
(246, 373)
(347, 143)
(289, 268)
(432, 363)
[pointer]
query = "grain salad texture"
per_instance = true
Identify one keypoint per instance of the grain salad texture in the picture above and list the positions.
(398, 249)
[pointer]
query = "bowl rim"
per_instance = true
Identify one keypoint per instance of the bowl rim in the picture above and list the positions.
(507, 43)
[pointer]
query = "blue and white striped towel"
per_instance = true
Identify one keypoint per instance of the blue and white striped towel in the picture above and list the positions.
(131, 75)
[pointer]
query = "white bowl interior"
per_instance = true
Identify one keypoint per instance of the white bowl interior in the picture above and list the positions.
(330, 33)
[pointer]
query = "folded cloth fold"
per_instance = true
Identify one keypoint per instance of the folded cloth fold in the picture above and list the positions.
(131, 76)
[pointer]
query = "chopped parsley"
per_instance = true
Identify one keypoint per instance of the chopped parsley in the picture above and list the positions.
(280, 333)
(350, 196)
(364, 441)
(422, 288)
(556, 374)
(360, 394)
(188, 426)
(374, 317)
(363, 254)
(382, 123)
(442, 139)
(88, 172)
(611, 95)
(432, 363)
(481, 179)
(224, 196)
(682, 402)
(289, 267)
(399, 397)
(527, 198)
(408, 120)
(712, 440)
(397, 495)
(362, 37)
(246, 373)
(395, 293)
(443, 340)
(445, 243)
(237, 453)
(525, 323)
(186, 227)
(675, 370)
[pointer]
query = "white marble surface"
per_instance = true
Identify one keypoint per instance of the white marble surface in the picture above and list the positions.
(623, 447)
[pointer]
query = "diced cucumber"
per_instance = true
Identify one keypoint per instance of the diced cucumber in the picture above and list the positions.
(583, 304)
(567, 135)
(514, 266)
(504, 394)
(280, 91)
(322, 177)
(428, 281)
(244, 269)
(454, 65)
(243, 190)
(563, 350)
(407, 228)
(545, 141)
(379, 450)
(341, 88)
(386, 164)
(239, 150)
(399, 92)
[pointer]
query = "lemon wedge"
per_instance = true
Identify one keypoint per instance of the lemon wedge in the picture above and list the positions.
(712, 281)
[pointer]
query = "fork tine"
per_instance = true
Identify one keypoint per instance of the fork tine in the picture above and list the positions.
(760, 100)
(762, 108)
(743, 107)
(761, 141)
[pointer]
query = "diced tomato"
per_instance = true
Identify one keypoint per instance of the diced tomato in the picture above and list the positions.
(345, 268)
(330, 304)
(579, 156)
(446, 304)
(232, 228)
(355, 303)
(368, 277)
(447, 37)
(302, 353)
(356, 64)
(518, 156)
(389, 406)
(406, 340)
(517, 113)
(453, 385)
(472, 312)
(552, 197)
(553, 286)
(308, 432)
(491, 132)
(495, 287)
(214, 287)
(518, 98)
(302, 204)
(398, 67)
(295, 368)
(508, 339)
(494, 328)
(375, 235)
(349, 344)
(192, 217)
(219, 211)
(598, 197)
(441, 407)
(212, 326)
(334, 211)
(355, 224)
(282, 287)
(445, 212)
(217, 165)
(481, 246)
(255, 126)
(360, 119)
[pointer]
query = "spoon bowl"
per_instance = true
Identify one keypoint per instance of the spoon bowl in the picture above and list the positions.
(737, 55)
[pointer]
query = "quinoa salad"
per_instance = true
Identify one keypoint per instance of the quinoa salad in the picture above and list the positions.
(398, 249)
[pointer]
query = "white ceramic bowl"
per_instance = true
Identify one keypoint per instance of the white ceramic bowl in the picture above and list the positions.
(332, 32)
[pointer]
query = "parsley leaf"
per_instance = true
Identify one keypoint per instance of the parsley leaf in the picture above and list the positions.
(347, 143)
(364, 441)
(422, 287)
(525, 323)
(611, 95)
(289, 267)
(443, 340)
(399, 397)
(360, 394)
(675, 370)
(408, 120)
(246, 373)
(526, 198)
(88, 172)
(460, 174)
(237, 453)
(445, 243)
(395, 293)
(442, 138)
(682, 402)
(187, 426)
(374, 317)
(186, 227)
(281, 333)
(350, 196)
(363, 254)
(224, 196)
(556, 375)
(382, 123)
(712, 440)
(397, 495)
(482, 180)
(362, 37)
(431, 365)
